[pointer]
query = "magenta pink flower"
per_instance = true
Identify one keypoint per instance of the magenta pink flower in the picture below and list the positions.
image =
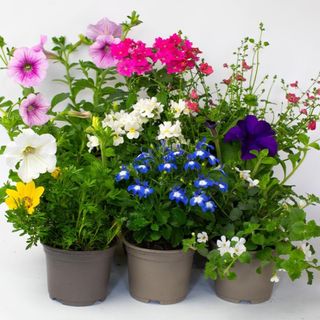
(100, 51)
(133, 57)
(33, 110)
(104, 27)
(40, 45)
(175, 53)
(28, 67)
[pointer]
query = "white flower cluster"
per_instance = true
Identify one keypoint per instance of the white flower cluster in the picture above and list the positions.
(234, 247)
(130, 124)
(245, 175)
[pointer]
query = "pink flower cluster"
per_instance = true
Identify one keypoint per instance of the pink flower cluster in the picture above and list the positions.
(176, 53)
(133, 57)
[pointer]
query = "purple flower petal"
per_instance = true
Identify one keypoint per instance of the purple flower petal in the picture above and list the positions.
(104, 27)
(268, 143)
(235, 133)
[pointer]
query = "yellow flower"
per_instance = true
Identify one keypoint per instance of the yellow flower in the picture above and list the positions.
(56, 173)
(26, 195)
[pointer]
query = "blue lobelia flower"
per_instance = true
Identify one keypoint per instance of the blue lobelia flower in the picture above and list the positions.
(212, 159)
(143, 156)
(199, 154)
(223, 187)
(199, 198)
(137, 190)
(192, 165)
(141, 168)
(204, 145)
(124, 174)
(253, 134)
(178, 194)
(204, 183)
(208, 206)
(167, 167)
(172, 155)
(147, 192)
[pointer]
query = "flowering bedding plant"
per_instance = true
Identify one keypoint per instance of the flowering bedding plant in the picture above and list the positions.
(261, 216)
(174, 191)
(64, 151)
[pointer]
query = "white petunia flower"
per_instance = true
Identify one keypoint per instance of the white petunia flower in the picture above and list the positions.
(133, 129)
(275, 278)
(224, 246)
(202, 237)
(169, 130)
(117, 140)
(239, 248)
(34, 153)
(178, 108)
(93, 142)
(306, 249)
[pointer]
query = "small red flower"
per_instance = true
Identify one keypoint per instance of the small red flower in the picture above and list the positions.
(225, 65)
(193, 106)
(239, 77)
(311, 97)
(318, 92)
(245, 66)
(194, 95)
(312, 125)
(227, 81)
(294, 84)
(291, 97)
(304, 111)
(206, 69)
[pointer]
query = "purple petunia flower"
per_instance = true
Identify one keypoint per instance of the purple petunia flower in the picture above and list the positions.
(104, 27)
(100, 51)
(33, 110)
(253, 134)
(28, 67)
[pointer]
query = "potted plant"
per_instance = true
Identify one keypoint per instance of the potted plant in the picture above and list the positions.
(261, 224)
(169, 187)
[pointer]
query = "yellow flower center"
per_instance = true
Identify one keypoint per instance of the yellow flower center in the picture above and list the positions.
(30, 108)
(27, 67)
(132, 130)
(29, 150)
(27, 202)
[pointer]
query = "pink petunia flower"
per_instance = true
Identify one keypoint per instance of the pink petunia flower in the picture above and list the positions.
(33, 110)
(40, 45)
(28, 67)
(104, 27)
(100, 51)
(206, 69)
(194, 94)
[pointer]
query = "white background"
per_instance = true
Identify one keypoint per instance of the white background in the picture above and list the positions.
(216, 27)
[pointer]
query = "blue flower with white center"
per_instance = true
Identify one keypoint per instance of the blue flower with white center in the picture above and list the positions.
(172, 155)
(124, 174)
(178, 195)
(199, 154)
(167, 167)
(212, 160)
(192, 165)
(147, 192)
(208, 206)
(141, 168)
(137, 190)
(198, 199)
(203, 183)
(223, 187)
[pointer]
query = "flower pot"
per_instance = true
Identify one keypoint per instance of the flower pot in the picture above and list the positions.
(158, 275)
(249, 286)
(78, 278)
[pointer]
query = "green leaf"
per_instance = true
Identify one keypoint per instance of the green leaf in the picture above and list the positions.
(155, 227)
(303, 138)
(310, 276)
(251, 100)
(245, 257)
(59, 98)
(314, 145)
(235, 214)
(258, 238)
(283, 247)
(269, 160)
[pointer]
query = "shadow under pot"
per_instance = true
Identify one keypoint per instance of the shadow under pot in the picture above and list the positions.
(249, 286)
(78, 278)
(158, 275)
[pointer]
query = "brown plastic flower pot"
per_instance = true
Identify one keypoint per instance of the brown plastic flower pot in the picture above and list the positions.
(78, 278)
(158, 275)
(249, 286)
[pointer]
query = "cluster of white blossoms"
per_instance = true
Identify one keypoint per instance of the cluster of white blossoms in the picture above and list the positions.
(245, 175)
(179, 108)
(34, 153)
(130, 124)
(234, 247)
